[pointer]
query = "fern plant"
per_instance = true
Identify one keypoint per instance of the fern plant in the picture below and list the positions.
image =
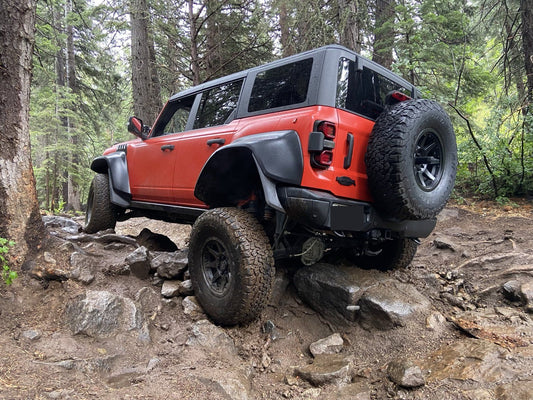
(8, 275)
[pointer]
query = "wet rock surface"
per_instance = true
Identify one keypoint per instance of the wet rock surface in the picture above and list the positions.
(80, 323)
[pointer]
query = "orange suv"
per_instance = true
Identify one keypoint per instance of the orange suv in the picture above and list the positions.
(324, 152)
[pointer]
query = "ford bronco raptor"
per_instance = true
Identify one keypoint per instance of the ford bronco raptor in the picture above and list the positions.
(321, 152)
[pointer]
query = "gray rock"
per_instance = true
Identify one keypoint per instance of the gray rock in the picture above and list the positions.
(329, 345)
(404, 373)
(31, 334)
(233, 385)
(49, 259)
(436, 321)
(192, 308)
(207, 335)
(511, 290)
(331, 290)
(186, 288)
(66, 224)
(445, 244)
(155, 241)
(139, 262)
(326, 369)
(148, 300)
(83, 267)
(271, 330)
(170, 289)
(101, 314)
(170, 265)
(520, 291)
(390, 304)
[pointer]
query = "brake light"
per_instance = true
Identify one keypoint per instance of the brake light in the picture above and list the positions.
(321, 144)
(327, 128)
(399, 96)
(324, 158)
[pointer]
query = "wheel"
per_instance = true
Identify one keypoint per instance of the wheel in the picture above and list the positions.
(392, 254)
(101, 213)
(231, 265)
(411, 160)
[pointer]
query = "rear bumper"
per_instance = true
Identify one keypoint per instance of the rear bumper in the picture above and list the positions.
(322, 210)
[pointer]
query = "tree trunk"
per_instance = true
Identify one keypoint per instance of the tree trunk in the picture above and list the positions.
(350, 24)
(287, 46)
(20, 219)
(526, 7)
(193, 32)
(384, 33)
(72, 200)
(145, 80)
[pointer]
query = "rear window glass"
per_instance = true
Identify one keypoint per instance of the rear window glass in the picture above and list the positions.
(281, 86)
(217, 104)
(363, 91)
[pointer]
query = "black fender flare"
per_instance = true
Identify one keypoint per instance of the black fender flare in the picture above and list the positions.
(233, 170)
(116, 166)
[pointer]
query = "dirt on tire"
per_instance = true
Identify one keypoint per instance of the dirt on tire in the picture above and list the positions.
(229, 244)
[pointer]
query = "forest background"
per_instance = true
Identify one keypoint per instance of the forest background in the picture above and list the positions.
(473, 56)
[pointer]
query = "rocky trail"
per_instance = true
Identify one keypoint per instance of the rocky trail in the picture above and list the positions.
(113, 316)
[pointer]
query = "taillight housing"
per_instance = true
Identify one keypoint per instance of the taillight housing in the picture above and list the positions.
(324, 158)
(327, 128)
(396, 97)
(321, 144)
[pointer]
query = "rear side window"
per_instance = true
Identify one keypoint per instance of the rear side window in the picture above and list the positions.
(281, 86)
(363, 91)
(217, 104)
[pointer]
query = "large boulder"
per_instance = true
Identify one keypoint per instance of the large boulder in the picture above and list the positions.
(390, 303)
(101, 314)
(333, 291)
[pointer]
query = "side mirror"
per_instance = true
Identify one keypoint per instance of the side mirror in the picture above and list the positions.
(135, 126)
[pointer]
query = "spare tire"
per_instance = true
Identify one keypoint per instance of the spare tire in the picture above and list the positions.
(411, 160)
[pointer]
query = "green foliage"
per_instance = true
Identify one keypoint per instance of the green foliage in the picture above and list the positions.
(467, 53)
(8, 275)
(78, 106)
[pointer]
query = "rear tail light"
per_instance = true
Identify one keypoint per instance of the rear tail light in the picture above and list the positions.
(321, 144)
(399, 96)
(324, 158)
(327, 128)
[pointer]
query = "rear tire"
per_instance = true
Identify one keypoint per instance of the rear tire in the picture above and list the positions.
(231, 265)
(411, 160)
(393, 254)
(101, 214)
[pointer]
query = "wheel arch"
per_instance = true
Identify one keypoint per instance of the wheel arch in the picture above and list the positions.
(257, 161)
(116, 167)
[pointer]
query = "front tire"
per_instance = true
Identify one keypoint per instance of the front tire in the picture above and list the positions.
(101, 214)
(231, 265)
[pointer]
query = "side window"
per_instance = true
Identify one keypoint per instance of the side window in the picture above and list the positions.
(363, 92)
(281, 86)
(217, 104)
(174, 117)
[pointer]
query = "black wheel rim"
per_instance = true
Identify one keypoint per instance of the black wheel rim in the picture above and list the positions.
(215, 265)
(428, 160)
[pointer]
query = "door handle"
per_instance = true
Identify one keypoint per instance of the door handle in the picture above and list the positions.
(167, 147)
(348, 158)
(219, 141)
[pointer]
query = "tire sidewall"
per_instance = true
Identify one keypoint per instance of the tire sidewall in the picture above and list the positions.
(429, 203)
(217, 306)
(390, 160)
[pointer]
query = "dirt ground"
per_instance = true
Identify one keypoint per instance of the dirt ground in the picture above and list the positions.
(460, 268)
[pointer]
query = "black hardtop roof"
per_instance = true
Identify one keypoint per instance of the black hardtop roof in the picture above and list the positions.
(335, 47)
